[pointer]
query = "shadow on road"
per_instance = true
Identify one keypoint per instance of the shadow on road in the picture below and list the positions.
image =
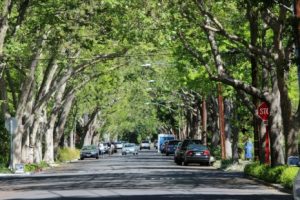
(180, 197)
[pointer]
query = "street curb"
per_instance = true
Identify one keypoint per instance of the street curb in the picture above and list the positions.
(274, 185)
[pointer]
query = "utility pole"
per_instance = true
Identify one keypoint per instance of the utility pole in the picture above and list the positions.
(204, 121)
(221, 121)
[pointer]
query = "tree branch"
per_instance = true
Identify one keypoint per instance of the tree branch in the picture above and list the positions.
(222, 31)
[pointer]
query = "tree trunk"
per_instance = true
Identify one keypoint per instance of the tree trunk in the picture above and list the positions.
(49, 135)
(6, 7)
(252, 16)
(59, 130)
(204, 122)
(23, 111)
(235, 137)
(49, 147)
(276, 131)
(228, 106)
(213, 105)
(90, 127)
(221, 121)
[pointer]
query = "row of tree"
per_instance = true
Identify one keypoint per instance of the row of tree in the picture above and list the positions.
(76, 72)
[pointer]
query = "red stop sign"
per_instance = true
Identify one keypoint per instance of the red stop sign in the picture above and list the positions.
(263, 111)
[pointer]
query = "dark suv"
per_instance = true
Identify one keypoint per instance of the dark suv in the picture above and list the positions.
(171, 146)
(181, 149)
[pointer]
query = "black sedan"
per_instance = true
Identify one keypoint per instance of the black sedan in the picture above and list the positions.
(196, 153)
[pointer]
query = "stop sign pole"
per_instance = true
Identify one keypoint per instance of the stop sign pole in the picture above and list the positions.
(263, 113)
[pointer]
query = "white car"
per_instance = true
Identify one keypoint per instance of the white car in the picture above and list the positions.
(129, 148)
(145, 144)
(119, 145)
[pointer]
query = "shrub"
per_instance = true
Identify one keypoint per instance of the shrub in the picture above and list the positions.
(35, 167)
(273, 174)
(281, 174)
(67, 154)
(216, 152)
(4, 169)
(253, 169)
(260, 171)
(288, 175)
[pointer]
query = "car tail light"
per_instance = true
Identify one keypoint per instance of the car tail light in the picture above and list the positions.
(206, 152)
(189, 153)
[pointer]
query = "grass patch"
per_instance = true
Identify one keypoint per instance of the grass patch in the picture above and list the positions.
(4, 169)
(67, 154)
(35, 167)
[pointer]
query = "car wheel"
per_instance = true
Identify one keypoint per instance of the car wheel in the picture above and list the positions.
(82, 158)
(97, 157)
(177, 161)
(167, 154)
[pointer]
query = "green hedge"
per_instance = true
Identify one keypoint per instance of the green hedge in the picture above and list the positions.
(284, 175)
(288, 176)
(67, 154)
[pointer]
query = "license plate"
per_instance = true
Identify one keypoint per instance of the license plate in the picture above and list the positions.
(198, 154)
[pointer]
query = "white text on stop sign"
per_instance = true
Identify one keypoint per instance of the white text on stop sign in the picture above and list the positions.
(264, 111)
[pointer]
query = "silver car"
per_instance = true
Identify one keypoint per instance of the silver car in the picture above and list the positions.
(129, 148)
(89, 151)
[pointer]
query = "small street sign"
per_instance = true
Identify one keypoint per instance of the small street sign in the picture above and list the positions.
(11, 125)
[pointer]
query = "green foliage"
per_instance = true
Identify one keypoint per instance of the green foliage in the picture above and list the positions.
(35, 167)
(280, 174)
(288, 175)
(5, 145)
(256, 170)
(216, 152)
(4, 169)
(272, 174)
(67, 154)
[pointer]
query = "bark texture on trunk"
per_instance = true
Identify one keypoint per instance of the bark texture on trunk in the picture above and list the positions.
(276, 129)
(59, 130)
(228, 106)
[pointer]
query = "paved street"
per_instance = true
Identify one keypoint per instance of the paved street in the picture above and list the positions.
(146, 176)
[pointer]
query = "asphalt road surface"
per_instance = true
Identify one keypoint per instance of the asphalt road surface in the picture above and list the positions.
(148, 176)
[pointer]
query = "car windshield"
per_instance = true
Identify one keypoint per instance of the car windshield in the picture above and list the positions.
(129, 145)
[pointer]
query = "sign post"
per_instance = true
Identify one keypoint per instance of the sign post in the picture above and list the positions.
(11, 125)
(263, 113)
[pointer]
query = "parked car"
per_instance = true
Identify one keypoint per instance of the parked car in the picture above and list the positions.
(90, 151)
(170, 147)
(145, 144)
(155, 144)
(296, 187)
(182, 148)
(106, 147)
(163, 146)
(129, 148)
(119, 145)
(196, 153)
